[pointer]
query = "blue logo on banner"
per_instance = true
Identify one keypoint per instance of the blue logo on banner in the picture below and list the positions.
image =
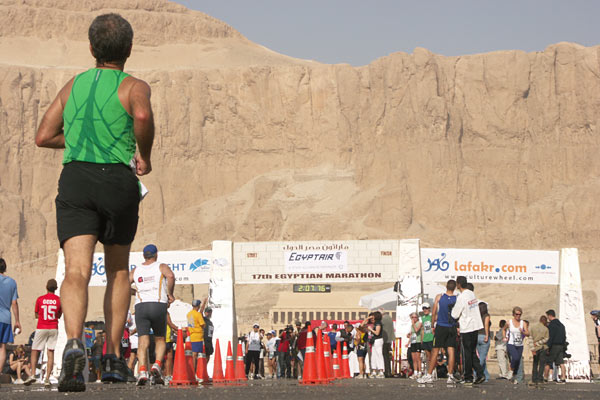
(201, 264)
(543, 267)
(438, 263)
(98, 267)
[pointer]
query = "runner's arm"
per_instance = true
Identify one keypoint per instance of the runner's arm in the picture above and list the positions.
(435, 311)
(50, 132)
(143, 124)
(168, 273)
(203, 306)
(170, 322)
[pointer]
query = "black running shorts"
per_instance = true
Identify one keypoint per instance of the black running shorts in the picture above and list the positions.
(444, 337)
(97, 199)
(151, 315)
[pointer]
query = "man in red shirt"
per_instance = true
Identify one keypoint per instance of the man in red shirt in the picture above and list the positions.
(47, 312)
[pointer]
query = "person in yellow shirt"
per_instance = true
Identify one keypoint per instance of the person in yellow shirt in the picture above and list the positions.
(196, 327)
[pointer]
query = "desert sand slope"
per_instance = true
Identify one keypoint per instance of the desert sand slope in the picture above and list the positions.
(495, 150)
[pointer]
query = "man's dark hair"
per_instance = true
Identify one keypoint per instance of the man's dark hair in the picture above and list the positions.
(334, 327)
(111, 37)
(470, 287)
(52, 285)
(451, 285)
(502, 323)
(461, 281)
(377, 316)
(551, 313)
(2, 266)
(346, 322)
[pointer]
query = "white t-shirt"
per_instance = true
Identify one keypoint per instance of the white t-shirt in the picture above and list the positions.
(271, 345)
(466, 311)
(133, 339)
(254, 341)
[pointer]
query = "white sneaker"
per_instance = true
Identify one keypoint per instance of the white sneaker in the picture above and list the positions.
(380, 375)
(157, 375)
(18, 382)
(47, 382)
(450, 381)
(427, 378)
(29, 380)
(142, 378)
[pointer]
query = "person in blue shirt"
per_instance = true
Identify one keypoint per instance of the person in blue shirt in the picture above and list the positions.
(8, 302)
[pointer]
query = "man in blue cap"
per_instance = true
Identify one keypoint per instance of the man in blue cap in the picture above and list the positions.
(154, 284)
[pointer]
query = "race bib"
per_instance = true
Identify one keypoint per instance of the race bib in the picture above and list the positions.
(413, 338)
(427, 326)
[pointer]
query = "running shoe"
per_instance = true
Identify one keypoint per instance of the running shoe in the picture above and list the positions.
(427, 378)
(453, 379)
(18, 382)
(29, 380)
(560, 381)
(480, 379)
(73, 364)
(157, 375)
(114, 369)
(380, 375)
(142, 378)
(47, 382)
(468, 383)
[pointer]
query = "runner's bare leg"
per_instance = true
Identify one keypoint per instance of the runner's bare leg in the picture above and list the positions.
(117, 295)
(79, 252)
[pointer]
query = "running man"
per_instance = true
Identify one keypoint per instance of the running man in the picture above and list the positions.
(444, 333)
(154, 283)
(196, 327)
(98, 117)
(47, 312)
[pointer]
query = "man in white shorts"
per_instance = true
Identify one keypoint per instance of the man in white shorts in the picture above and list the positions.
(47, 312)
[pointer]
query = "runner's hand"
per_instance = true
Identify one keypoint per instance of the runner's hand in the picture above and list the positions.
(17, 326)
(170, 298)
(142, 167)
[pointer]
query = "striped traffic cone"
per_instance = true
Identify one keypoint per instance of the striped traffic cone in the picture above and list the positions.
(309, 374)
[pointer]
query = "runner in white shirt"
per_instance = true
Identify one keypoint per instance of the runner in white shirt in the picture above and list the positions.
(466, 311)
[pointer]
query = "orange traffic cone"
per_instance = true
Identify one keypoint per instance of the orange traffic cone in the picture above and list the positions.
(201, 370)
(345, 364)
(309, 374)
(321, 370)
(229, 366)
(218, 367)
(336, 363)
(180, 367)
(327, 355)
(189, 358)
(240, 372)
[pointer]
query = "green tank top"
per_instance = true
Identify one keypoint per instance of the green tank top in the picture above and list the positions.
(97, 128)
(427, 328)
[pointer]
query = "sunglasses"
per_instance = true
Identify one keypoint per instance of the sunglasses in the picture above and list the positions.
(517, 314)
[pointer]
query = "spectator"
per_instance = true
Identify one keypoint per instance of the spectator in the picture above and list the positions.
(500, 345)
(426, 321)
(47, 312)
(271, 360)
(133, 340)
(253, 353)
(515, 330)
(170, 339)
(360, 344)
(596, 318)
(332, 337)
(18, 364)
(8, 301)
(209, 330)
(466, 311)
(283, 354)
(539, 338)
(346, 335)
(389, 336)
(557, 340)
(415, 337)
(483, 338)
(377, 366)
(96, 357)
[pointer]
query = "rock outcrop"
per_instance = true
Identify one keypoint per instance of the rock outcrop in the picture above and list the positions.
(495, 150)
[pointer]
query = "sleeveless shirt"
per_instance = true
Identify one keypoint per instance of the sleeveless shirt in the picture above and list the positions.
(97, 128)
(443, 315)
(150, 284)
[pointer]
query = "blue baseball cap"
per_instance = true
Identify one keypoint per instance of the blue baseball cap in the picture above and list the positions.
(150, 251)
(196, 303)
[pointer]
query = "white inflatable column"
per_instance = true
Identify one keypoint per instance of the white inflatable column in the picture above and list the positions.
(409, 276)
(221, 293)
(572, 315)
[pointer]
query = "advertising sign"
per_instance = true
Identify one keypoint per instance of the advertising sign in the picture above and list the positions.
(316, 261)
(189, 267)
(534, 267)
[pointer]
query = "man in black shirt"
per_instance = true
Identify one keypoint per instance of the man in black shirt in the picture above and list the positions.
(595, 317)
(209, 329)
(557, 339)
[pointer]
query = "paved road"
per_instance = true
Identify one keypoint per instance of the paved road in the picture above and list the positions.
(289, 389)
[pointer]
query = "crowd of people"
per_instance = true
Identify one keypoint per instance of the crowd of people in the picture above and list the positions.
(458, 336)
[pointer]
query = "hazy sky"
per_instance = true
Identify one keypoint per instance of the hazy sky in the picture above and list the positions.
(357, 32)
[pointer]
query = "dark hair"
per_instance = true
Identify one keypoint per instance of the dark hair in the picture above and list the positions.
(543, 319)
(461, 281)
(2, 266)
(334, 326)
(346, 322)
(551, 313)
(502, 323)
(52, 285)
(377, 316)
(451, 285)
(483, 309)
(111, 37)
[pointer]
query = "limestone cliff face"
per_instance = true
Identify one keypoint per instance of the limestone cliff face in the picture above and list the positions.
(494, 150)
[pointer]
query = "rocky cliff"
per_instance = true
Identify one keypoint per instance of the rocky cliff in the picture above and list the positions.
(495, 150)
